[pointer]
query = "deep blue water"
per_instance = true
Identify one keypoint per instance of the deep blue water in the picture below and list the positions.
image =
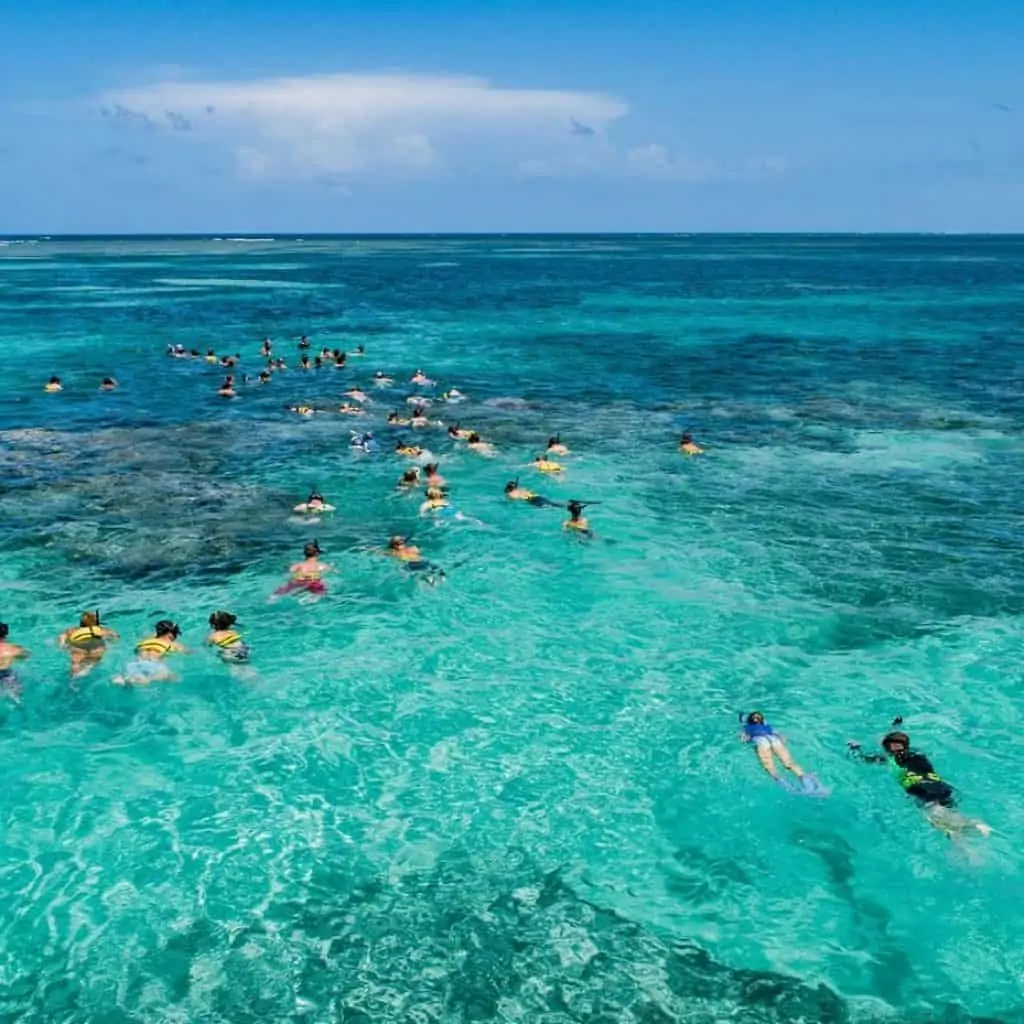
(518, 795)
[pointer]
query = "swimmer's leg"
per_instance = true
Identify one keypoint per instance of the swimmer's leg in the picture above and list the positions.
(784, 756)
(764, 755)
(952, 822)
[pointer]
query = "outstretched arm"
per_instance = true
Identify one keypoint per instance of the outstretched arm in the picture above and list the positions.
(854, 750)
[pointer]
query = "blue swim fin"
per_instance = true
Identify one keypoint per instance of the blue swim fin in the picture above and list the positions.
(812, 787)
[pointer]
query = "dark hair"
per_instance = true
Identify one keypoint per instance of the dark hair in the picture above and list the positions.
(553, 440)
(4, 630)
(896, 737)
(166, 626)
(90, 619)
(510, 486)
(311, 550)
(753, 715)
(223, 620)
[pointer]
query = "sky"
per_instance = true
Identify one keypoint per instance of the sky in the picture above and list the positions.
(454, 116)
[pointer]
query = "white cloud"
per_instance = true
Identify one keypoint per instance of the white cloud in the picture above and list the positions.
(359, 124)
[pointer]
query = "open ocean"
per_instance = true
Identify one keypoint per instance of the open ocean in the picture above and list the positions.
(516, 796)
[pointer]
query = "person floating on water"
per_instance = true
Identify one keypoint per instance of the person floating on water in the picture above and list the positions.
(264, 377)
(395, 420)
(211, 357)
(687, 445)
(304, 363)
(380, 380)
(410, 478)
(459, 433)
(434, 478)
(400, 548)
(453, 395)
(148, 665)
(227, 389)
(914, 772)
(340, 358)
(545, 465)
(475, 443)
(358, 396)
(577, 520)
(307, 575)
(420, 378)
(410, 451)
(266, 349)
(360, 351)
(419, 417)
(768, 745)
(314, 505)
(10, 685)
(53, 384)
(555, 446)
(226, 639)
(302, 410)
(303, 343)
(364, 442)
(348, 409)
(108, 384)
(516, 493)
(86, 642)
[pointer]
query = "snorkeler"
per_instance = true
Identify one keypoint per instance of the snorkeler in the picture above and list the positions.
(360, 351)
(547, 465)
(914, 772)
(148, 665)
(411, 451)
(453, 395)
(303, 342)
(359, 396)
(364, 442)
(302, 410)
(227, 389)
(419, 417)
(410, 478)
(516, 493)
(86, 642)
(475, 443)
(108, 384)
(228, 641)
(211, 356)
(307, 575)
(420, 378)
(555, 446)
(458, 433)
(304, 363)
(264, 377)
(434, 478)
(53, 384)
(348, 409)
(768, 745)
(577, 520)
(687, 446)
(381, 381)
(395, 421)
(10, 685)
(266, 349)
(314, 505)
(400, 548)
(339, 359)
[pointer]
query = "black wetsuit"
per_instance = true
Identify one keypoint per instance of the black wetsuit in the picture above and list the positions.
(917, 776)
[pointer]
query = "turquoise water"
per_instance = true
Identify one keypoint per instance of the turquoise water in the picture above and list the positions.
(517, 796)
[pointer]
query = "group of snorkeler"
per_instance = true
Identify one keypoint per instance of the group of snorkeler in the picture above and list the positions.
(912, 769)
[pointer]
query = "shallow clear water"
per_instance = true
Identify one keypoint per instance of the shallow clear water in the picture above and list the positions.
(517, 796)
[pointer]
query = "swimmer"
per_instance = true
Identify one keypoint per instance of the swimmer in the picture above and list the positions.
(307, 575)
(280, 364)
(348, 409)
(228, 641)
(228, 361)
(410, 556)
(314, 505)
(10, 685)
(227, 389)
(366, 442)
(395, 420)
(434, 478)
(417, 400)
(516, 493)
(577, 520)
(86, 642)
(453, 395)
(411, 451)
(303, 342)
(410, 478)
(266, 349)
(360, 351)
(768, 745)
(177, 351)
(211, 356)
(264, 377)
(108, 384)
(318, 363)
(381, 381)
(304, 363)
(302, 410)
(357, 395)
(327, 355)
(457, 433)
(148, 664)
(53, 384)
(339, 359)
(475, 443)
(555, 446)
(419, 377)
(544, 465)
(914, 772)
(687, 446)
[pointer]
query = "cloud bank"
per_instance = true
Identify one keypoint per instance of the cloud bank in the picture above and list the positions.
(339, 127)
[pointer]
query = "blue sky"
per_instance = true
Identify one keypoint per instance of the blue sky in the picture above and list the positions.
(458, 116)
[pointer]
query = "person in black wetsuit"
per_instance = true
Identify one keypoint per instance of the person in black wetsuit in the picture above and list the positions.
(915, 773)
